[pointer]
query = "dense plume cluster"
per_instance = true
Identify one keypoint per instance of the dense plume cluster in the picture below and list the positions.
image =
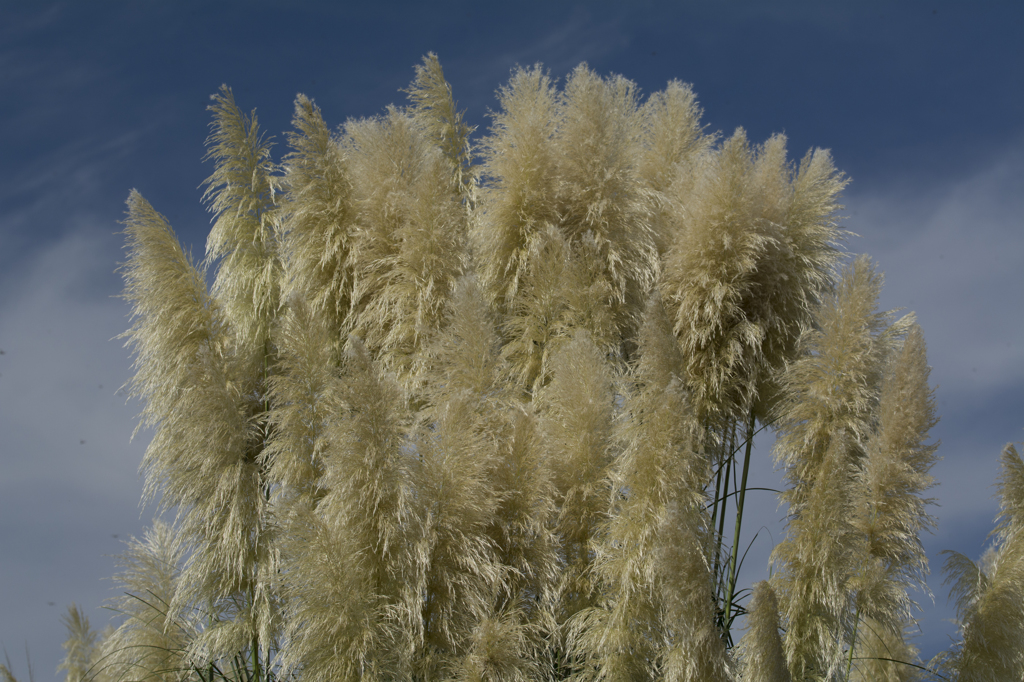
(479, 411)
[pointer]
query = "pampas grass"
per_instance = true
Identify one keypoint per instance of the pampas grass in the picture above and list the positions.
(760, 649)
(825, 418)
(473, 411)
(318, 220)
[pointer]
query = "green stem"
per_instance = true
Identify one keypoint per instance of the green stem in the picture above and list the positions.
(255, 658)
(721, 532)
(733, 569)
(717, 499)
(853, 643)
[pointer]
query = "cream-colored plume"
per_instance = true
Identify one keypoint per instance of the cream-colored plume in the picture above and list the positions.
(750, 245)
(673, 146)
(81, 647)
(891, 515)
(577, 410)
(319, 218)
(760, 650)
(657, 618)
(409, 246)
(348, 565)
(244, 238)
(204, 458)
(519, 199)
(826, 415)
(445, 125)
(303, 395)
(598, 147)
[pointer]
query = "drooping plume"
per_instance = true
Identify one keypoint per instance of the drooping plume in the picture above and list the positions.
(204, 456)
(303, 397)
(674, 145)
(657, 618)
(348, 568)
(519, 201)
(751, 243)
(598, 146)
(577, 410)
(562, 292)
(457, 504)
(465, 365)
(566, 214)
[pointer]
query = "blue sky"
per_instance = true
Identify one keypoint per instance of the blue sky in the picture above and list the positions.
(921, 103)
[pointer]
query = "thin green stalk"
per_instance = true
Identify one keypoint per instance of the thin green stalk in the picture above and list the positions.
(733, 570)
(718, 541)
(727, 455)
(718, 497)
(721, 518)
(853, 643)
(721, 488)
(930, 671)
(255, 658)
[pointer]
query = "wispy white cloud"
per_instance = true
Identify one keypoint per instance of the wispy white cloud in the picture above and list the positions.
(59, 192)
(75, 168)
(953, 253)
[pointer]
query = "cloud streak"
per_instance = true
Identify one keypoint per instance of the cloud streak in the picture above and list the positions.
(957, 248)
